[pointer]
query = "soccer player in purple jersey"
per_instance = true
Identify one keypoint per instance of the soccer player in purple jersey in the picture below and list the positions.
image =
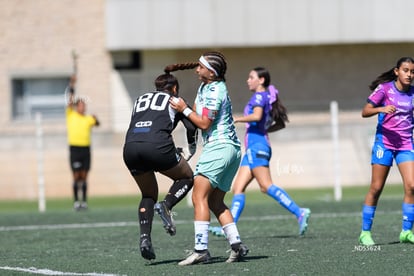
(263, 113)
(392, 101)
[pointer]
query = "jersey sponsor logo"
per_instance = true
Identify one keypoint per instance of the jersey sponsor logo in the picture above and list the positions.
(258, 99)
(143, 124)
(403, 103)
(141, 130)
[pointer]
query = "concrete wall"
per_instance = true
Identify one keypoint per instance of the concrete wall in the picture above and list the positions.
(160, 24)
(303, 156)
(308, 77)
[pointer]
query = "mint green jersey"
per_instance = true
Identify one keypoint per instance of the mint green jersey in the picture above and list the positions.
(214, 102)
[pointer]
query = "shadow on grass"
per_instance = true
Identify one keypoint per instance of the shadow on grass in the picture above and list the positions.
(213, 260)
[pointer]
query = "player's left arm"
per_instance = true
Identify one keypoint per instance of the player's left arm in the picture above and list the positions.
(97, 123)
(253, 117)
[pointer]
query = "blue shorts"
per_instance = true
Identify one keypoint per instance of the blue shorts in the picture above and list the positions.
(219, 162)
(384, 156)
(257, 155)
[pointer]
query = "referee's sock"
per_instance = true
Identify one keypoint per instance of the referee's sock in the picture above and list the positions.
(84, 190)
(75, 190)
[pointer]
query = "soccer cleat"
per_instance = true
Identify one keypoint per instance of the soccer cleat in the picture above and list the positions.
(237, 255)
(196, 258)
(76, 206)
(303, 220)
(407, 236)
(366, 239)
(147, 252)
(217, 231)
(84, 205)
(166, 217)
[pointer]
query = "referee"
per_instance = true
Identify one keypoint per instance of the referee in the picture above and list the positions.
(79, 126)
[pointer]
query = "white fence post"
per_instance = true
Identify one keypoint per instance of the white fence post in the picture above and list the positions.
(40, 171)
(335, 141)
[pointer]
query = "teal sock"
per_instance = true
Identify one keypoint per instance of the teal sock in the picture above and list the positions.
(237, 206)
(408, 216)
(368, 213)
(284, 199)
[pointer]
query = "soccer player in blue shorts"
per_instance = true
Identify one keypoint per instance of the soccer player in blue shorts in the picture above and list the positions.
(263, 113)
(392, 100)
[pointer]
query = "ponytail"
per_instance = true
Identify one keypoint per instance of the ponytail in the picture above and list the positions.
(279, 115)
(180, 66)
(390, 74)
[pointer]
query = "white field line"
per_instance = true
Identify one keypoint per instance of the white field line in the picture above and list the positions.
(135, 223)
(34, 270)
(67, 226)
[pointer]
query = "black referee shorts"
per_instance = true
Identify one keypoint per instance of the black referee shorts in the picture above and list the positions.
(80, 158)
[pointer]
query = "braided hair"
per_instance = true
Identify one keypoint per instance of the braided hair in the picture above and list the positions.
(218, 62)
(167, 81)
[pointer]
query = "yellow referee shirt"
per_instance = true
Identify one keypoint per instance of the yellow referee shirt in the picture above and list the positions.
(79, 128)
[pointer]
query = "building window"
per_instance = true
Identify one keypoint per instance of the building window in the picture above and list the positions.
(126, 60)
(44, 95)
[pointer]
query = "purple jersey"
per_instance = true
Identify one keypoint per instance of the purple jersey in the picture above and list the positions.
(257, 131)
(395, 130)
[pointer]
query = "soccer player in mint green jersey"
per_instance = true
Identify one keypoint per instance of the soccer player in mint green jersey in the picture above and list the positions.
(219, 160)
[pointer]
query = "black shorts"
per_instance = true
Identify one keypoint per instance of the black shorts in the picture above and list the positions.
(80, 158)
(142, 157)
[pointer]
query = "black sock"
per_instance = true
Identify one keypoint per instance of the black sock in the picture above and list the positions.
(179, 189)
(75, 190)
(84, 190)
(146, 215)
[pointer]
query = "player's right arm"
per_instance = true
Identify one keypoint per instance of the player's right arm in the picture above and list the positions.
(70, 91)
(371, 110)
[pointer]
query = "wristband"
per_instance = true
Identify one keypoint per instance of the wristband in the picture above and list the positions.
(187, 111)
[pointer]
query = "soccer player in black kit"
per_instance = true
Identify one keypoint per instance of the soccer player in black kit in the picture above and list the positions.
(149, 148)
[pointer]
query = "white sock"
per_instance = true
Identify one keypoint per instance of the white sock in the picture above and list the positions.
(201, 235)
(232, 233)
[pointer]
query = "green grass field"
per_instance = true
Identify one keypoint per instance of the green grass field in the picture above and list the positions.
(104, 239)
